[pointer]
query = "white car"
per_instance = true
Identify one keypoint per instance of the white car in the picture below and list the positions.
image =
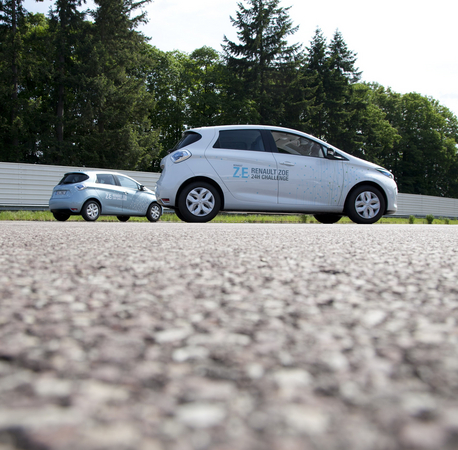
(253, 168)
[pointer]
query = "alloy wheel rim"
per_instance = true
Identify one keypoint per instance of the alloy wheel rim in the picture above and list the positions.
(92, 210)
(155, 213)
(200, 202)
(367, 205)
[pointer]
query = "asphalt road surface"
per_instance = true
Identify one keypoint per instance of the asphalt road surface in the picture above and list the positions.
(174, 336)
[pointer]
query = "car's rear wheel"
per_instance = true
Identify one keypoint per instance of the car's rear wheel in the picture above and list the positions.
(90, 211)
(179, 215)
(123, 218)
(365, 205)
(199, 202)
(328, 217)
(61, 217)
(154, 212)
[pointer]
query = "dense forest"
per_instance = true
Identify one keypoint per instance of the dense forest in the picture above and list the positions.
(87, 89)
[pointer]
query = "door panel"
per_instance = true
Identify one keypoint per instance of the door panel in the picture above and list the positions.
(135, 201)
(248, 171)
(110, 194)
(310, 179)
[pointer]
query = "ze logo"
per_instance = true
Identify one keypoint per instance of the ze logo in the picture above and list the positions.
(240, 172)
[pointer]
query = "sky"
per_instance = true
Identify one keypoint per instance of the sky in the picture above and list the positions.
(407, 45)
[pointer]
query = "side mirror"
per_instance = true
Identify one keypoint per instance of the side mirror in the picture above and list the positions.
(141, 188)
(332, 154)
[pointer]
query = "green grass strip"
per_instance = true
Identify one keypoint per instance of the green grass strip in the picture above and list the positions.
(46, 216)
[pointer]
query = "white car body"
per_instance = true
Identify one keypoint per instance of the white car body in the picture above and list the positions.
(271, 175)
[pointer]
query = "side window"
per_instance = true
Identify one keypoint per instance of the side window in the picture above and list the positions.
(189, 137)
(127, 182)
(297, 145)
(240, 140)
(105, 178)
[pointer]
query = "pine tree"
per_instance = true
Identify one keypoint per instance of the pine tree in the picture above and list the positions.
(12, 15)
(262, 62)
(115, 101)
(316, 73)
(342, 75)
(331, 73)
(65, 25)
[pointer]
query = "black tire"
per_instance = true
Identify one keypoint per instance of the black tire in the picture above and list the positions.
(61, 217)
(199, 202)
(328, 217)
(179, 215)
(365, 205)
(154, 212)
(123, 218)
(91, 211)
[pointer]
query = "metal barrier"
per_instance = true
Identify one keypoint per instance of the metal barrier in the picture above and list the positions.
(29, 187)
(422, 205)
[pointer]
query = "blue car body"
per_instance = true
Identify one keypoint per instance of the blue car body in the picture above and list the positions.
(95, 193)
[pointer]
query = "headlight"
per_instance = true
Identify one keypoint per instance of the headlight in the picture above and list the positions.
(180, 155)
(387, 173)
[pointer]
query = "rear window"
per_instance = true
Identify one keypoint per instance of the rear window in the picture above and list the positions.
(240, 140)
(71, 178)
(189, 137)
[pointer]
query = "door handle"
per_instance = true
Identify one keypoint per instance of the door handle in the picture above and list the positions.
(287, 163)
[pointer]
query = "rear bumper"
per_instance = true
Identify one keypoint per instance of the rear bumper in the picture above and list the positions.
(64, 206)
(64, 211)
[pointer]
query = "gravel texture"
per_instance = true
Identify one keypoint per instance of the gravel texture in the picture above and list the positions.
(174, 336)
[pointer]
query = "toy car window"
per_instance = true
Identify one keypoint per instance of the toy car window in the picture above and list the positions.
(71, 178)
(105, 178)
(127, 182)
(240, 140)
(297, 145)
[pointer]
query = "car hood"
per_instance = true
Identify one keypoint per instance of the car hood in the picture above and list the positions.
(358, 161)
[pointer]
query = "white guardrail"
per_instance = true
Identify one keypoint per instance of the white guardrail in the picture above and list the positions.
(29, 187)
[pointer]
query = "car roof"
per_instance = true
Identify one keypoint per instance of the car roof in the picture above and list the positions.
(95, 172)
(217, 128)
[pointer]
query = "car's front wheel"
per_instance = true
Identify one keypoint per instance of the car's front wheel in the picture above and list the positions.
(61, 217)
(365, 205)
(199, 202)
(327, 217)
(123, 218)
(154, 212)
(90, 211)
